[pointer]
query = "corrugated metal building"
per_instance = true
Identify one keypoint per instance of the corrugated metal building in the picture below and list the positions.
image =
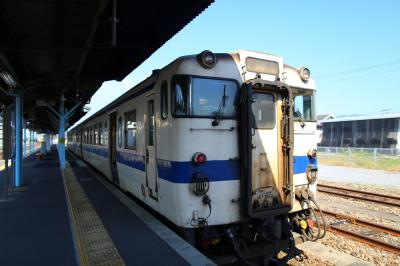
(379, 131)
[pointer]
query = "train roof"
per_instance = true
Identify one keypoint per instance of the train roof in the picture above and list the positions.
(294, 80)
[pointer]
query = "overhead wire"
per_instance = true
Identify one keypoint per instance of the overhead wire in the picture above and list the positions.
(357, 77)
(361, 69)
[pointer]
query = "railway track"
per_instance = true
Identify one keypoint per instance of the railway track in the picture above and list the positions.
(360, 195)
(354, 228)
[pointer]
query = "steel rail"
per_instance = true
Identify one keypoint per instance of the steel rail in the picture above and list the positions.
(360, 191)
(365, 239)
(328, 191)
(357, 221)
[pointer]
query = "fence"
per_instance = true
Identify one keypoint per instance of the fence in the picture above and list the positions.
(374, 158)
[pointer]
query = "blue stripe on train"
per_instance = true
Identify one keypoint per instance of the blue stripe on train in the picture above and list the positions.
(130, 159)
(99, 150)
(181, 172)
(300, 164)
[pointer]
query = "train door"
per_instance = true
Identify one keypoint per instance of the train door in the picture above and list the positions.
(151, 166)
(112, 147)
(265, 149)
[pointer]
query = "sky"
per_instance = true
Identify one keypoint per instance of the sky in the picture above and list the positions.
(351, 47)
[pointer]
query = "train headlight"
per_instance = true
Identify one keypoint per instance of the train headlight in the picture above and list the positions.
(312, 175)
(304, 73)
(200, 184)
(207, 59)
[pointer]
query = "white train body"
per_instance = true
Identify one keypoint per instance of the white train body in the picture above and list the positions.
(160, 171)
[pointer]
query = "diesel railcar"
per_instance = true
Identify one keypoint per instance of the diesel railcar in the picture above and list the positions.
(221, 145)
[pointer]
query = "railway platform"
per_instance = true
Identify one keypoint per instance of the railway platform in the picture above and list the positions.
(76, 217)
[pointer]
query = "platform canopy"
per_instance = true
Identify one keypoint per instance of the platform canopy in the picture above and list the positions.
(70, 47)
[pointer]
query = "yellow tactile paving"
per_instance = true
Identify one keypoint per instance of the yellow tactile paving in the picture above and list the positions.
(93, 242)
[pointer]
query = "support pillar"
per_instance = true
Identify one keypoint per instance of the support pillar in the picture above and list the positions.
(31, 142)
(61, 117)
(18, 140)
(61, 134)
(48, 143)
(6, 146)
(24, 143)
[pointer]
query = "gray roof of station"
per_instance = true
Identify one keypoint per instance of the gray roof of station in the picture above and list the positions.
(56, 47)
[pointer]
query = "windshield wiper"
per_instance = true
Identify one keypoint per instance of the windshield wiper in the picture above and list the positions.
(299, 115)
(220, 110)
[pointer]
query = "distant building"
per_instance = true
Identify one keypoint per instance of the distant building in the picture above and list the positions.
(380, 131)
(320, 119)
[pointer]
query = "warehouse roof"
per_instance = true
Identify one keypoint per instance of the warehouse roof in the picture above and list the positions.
(364, 117)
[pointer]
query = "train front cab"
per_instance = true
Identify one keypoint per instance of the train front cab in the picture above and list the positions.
(265, 141)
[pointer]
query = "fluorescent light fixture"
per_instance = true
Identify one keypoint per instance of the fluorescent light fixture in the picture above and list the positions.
(8, 79)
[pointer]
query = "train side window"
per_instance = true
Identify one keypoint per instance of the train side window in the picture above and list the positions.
(101, 134)
(92, 135)
(105, 138)
(164, 100)
(130, 130)
(96, 135)
(120, 132)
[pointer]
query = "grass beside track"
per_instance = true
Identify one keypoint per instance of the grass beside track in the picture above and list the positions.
(361, 160)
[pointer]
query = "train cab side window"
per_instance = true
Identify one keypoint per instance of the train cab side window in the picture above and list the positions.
(119, 132)
(130, 130)
(303, 108)
(91, 135)
(164, 100)
(101, 134)
(180, 95)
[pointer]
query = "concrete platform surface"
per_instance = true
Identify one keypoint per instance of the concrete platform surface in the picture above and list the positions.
(34, 223)
(139, 237)
(38, 226)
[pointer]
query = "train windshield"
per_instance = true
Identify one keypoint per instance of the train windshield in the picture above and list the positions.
(304, 104)
(204, 97)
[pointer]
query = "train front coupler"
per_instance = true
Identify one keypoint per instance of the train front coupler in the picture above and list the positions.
(307, 220)
(258, 241)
